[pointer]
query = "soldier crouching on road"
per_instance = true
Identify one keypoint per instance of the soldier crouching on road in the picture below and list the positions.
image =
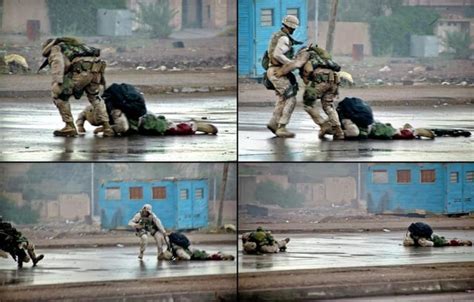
(17, 245)
(76, 68)
(261, 242)
(147, 224)
(421, 234)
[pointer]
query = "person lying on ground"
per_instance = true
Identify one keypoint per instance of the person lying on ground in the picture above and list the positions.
(262, 242)
(421, 234)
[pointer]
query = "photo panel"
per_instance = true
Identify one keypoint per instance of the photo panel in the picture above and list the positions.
(118, 231)
(328, 80)
(355, 231)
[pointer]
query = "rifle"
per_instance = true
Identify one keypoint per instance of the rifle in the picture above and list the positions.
(45, 63)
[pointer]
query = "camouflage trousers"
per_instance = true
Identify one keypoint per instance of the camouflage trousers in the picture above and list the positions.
(76, 83)
(286, 101)
(252, 248)
(118, 119)
(325, 91)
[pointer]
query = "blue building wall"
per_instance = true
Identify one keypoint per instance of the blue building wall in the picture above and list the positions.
(178, 210)
(253, 38)
(452, 191)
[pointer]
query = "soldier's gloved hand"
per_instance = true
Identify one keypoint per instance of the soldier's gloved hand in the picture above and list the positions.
(56, 88)
(279, 73)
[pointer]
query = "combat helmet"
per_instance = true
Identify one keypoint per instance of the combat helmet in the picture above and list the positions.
(291, 21)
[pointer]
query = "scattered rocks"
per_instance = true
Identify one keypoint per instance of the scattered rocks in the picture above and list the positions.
(385, 69)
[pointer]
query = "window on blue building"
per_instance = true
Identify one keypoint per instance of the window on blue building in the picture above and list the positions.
(380, 176)
(183, 194)
(428, 176)
(136, 193)
(293, 12)
(159, 192)
(470, 176)
(112, 193)
(266, 17)
(454, 177)
(199, 193)
(403, 176)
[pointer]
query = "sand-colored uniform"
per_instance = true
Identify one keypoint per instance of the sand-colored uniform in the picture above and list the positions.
(119, 120)
(149, 226)
(72, 76)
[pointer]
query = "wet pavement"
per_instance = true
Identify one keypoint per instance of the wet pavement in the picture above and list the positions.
(316, 251)
(107, 264)
(256, 143)
(26, 127)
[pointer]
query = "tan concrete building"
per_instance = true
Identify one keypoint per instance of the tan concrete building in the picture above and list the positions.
(16, 13)
(74, 206)
(15, 197)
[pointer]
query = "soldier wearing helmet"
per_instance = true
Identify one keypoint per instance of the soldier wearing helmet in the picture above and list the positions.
(280, 52)
(76, 68)
(147, 224)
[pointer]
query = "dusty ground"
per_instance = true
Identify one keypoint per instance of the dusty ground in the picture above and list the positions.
(253, 94)
(139, 50)
(305, 221)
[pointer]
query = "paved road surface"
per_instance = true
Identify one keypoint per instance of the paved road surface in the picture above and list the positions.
(315, 251)
(105, 264)
(26, 127)
(256, 143)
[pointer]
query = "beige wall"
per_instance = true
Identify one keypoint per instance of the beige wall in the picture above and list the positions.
(347, 34)
(174, 4)
(16, 197)
(17, 12)
(72, 206)
(439, 2)
(340, 190)
(281, 180)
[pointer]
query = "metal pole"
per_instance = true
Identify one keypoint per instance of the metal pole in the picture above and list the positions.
(332, 26)
(316, 20)
(222, 197)
(92, 190)
(358, 183)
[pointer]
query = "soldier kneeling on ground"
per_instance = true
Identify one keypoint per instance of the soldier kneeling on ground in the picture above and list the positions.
(421, 234)
(261, 242)
(13, 242)
(181, 250)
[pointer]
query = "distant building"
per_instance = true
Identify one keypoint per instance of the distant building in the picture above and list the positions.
(420, 188)
(15, 197)
(214, 14)
(67, 206)
(179, 203)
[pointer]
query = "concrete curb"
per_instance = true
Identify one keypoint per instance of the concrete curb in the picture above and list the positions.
(150, 289)
(352, 282)
(60, 245)
(358, 290)
(146, 89)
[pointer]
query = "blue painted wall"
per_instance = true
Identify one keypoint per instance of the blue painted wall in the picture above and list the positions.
(452, 192)
(253, 38)
(177, 211)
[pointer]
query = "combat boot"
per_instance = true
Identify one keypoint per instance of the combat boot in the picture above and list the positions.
(140, 256)
(282, 132)
(68, 130)
(272, 127)
(81, 129)
(206, 128)
(37, 259)
(107, 130)
(326, 128)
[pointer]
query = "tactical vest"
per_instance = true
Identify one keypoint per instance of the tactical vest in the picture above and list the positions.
(148, 224)
(273, 43)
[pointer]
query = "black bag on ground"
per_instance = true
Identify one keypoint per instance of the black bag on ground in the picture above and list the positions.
(179, 239)
(358, 111)
(420, 230)
(125, 97)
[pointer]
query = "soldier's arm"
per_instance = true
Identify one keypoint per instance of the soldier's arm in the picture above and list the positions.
(135, 221)
(158, 224)
(282, 47)
(298, 62)
(56, 61)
